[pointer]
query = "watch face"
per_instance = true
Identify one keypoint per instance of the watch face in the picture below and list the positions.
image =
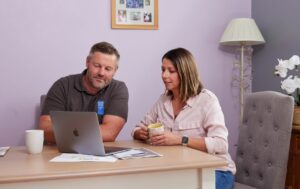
(185, 140)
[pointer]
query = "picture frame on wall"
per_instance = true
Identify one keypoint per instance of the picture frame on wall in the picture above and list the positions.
(134, 14)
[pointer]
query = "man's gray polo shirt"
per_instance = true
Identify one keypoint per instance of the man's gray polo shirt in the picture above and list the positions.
(68, 94)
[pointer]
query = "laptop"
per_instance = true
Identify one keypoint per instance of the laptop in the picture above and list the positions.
(78, 132)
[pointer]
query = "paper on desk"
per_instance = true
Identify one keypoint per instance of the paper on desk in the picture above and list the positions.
(68, 157)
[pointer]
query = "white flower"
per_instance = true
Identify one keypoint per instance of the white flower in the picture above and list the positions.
(294, 60)
(281, 69)
(286, 64)
(297, 81)
(289, 85)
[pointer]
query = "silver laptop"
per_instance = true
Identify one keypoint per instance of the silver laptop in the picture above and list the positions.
(78, 132)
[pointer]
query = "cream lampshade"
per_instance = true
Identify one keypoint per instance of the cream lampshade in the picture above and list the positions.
(242, 32)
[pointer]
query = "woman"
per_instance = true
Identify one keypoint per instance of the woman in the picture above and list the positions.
(191, 115)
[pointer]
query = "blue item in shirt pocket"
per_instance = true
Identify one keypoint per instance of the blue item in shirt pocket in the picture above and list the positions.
(100, 109)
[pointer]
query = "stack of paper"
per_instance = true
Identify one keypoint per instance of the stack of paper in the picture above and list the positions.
(68, 157)
(3, 150)
(129, 154)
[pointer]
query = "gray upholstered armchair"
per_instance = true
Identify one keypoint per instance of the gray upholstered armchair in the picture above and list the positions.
(264, 139)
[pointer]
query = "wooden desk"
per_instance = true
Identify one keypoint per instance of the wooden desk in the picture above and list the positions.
(180, 167)
(293, 175)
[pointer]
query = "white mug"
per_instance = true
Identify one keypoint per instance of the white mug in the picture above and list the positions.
(34, 141)
(155, 129)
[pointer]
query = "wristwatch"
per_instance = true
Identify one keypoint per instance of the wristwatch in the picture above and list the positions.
(184, 140)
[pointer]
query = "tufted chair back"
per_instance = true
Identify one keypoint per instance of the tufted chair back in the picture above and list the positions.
(264, 139)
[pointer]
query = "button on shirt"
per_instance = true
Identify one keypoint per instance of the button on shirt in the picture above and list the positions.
(202, 116)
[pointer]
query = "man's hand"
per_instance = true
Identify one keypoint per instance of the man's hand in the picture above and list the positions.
(45, 124)
(111, 127)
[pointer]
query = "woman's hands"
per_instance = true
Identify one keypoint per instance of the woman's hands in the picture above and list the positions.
(141, 133)
(165, 139)
(168, 138)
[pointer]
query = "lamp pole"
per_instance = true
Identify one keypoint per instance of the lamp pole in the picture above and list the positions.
(242, 82)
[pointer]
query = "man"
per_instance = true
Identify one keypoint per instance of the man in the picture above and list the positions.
(92, 90)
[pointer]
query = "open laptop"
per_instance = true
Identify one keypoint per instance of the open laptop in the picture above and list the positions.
(78, 132)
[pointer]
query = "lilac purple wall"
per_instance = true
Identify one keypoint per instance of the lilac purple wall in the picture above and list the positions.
(41, 41)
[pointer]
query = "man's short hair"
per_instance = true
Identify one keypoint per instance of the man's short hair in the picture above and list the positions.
(106, 48)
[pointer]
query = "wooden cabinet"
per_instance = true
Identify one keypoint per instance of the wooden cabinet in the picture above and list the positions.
(293, 170)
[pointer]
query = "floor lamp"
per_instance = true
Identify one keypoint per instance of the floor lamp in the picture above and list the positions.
(242, 32)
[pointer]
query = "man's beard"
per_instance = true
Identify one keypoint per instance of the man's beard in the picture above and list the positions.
(99, 85)
(96, 84)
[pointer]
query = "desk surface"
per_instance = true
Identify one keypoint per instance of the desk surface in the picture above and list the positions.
(19, 166)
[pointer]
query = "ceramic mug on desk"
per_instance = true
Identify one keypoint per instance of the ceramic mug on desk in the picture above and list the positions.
(34, 141)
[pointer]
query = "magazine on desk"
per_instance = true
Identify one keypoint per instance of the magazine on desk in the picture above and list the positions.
(137, 153)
